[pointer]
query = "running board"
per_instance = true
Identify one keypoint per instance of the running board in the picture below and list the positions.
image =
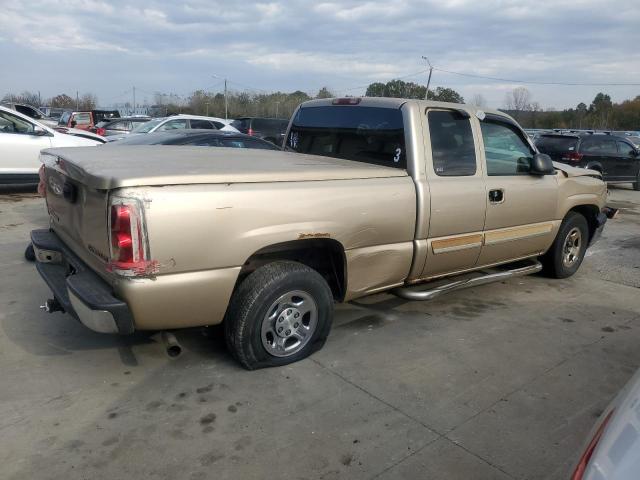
(415, 293)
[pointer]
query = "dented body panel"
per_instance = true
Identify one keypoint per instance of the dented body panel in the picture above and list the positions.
(210, 215)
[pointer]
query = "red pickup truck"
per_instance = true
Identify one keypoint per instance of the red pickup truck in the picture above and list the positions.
(86, 120)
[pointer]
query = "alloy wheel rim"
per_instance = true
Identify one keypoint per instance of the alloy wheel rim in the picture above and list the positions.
(571, 247)
(289, 323)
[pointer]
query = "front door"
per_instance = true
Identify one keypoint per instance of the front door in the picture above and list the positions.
(521, 207)
(457, 192)
(627, 163)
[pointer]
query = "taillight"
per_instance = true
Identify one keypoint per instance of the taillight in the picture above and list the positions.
(572, 157)
(581, 468)
(129, 251)
(101, 131)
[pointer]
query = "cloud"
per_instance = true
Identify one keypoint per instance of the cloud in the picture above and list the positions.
(346, 44)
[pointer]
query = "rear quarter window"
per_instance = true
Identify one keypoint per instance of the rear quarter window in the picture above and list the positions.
(365, 134)
(556, 144)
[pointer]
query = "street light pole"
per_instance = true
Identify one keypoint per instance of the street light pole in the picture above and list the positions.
(226, 105)
(426, 95)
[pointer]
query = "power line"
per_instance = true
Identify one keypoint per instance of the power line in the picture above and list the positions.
(534, 82)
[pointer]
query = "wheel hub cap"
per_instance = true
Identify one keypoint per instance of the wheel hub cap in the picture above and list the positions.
(289, 323)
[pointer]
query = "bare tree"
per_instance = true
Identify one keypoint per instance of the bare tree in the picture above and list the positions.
(519, 99)
(479, 101)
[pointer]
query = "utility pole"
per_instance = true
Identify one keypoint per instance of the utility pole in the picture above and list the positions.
(134, 100)
(426, 96)
(226, 105)
(277, 105)
(77, 101)
(207, 104)
(226, 102)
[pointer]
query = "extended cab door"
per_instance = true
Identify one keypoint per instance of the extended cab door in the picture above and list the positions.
(457, 191)
(520, 207)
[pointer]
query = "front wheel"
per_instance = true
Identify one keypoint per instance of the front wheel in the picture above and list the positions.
(279, 314)
(567, 251)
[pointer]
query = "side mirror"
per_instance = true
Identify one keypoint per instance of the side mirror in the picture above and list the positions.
(541, 164)
(73, 123)
(40, 132)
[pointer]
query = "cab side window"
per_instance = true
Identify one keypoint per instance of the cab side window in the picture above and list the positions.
(452, 147)
(506, 150)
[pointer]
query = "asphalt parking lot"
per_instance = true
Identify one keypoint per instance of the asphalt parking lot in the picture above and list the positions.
(500, 382)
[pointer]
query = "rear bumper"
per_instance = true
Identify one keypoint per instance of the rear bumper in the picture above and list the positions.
(81, 292)
(601, 221)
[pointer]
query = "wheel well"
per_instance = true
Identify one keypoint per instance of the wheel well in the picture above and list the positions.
(590, 212)
(324, 255)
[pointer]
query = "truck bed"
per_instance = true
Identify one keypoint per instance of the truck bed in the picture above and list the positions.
(125, 166)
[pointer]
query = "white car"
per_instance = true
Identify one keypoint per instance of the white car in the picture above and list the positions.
(179, 122)
(21, 139)
(613, 451)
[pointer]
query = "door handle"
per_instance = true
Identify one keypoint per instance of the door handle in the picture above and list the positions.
(496, 196)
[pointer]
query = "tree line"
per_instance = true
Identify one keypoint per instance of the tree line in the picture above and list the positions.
(601, 113)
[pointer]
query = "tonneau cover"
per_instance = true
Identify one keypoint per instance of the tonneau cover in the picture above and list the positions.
(124, 166)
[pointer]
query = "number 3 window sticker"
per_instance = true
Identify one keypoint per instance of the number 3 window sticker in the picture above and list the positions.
(396, 157)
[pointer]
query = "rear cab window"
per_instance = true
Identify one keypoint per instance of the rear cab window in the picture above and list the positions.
(82, 118)
(364, 134)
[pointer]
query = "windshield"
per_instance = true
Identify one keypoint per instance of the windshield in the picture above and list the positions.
(148, 126)
(364, 134)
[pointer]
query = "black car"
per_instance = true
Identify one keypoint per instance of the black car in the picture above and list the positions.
(118, 126)
(616, 158)
(200, 138)
(269, 129)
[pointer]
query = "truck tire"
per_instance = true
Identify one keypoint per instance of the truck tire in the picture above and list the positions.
(636, 184)
(280, 313)
(567, 251)
(29, 254)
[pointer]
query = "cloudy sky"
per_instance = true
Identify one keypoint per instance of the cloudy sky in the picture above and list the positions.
(106, 47)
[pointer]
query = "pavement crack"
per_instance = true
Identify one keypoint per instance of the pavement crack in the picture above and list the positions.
(438, 434)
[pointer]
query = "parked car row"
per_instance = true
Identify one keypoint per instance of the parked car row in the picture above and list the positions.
(22, 135)
(617, 158)
(21, 139)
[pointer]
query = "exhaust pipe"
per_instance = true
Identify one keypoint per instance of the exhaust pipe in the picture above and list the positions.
(172, 347)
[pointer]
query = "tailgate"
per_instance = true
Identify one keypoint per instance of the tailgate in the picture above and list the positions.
(78, 214)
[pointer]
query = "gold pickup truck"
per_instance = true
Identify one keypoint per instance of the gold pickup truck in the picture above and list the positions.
(372, 194)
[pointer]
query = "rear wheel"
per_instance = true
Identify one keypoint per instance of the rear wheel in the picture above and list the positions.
(636, 184)
(279, 314)
(567, 252)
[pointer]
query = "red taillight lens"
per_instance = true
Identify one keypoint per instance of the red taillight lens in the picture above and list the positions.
(572, 157)
(581, 468)
(121, 234)
(129, 255)
(101, 131)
